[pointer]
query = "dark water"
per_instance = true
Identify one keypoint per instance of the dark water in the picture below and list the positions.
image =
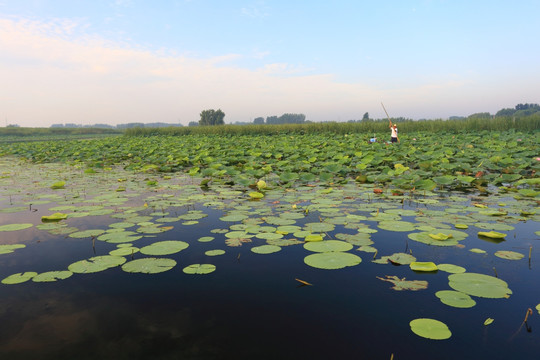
(251, 307)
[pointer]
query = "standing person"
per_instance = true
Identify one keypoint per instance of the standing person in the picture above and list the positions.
(393, 137)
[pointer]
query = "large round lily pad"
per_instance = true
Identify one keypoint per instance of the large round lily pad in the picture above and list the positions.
(96, 264)
(332, 260)
(51, 276)
(19, 278)
(509, 255)
(149, 265)
(430, 329)
(328, 245)
(199, 269)
(265, 249)
(451, 268)
(479, 285)
(9, 248)
(164, 247)
(14, 227)
(455, 299)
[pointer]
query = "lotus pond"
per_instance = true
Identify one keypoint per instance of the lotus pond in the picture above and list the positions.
(117, 264)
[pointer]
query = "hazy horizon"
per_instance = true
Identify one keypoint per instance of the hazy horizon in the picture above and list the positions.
(126, 61)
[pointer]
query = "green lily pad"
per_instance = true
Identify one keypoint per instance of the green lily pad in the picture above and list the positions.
(199, 269)
(9, 248)
(509, 255)
(402, 284)
(391, 225)
(265, 249)
(215, 252)
(120, 237)
(477, 251)
(164, 247)
(492, 234)
(54, 217)
(479, 285)
(488, 321)
(319, 227)
(19, 278)
(426, 266)
(430, 329)
(124, 251)
(149, 265)
(96, 264)
(51, 276)
(401, 259)
(313, 237)
(450, 268)
(87, 233)
(332, 260)
(14, 227)
(206, 239)
(328, 245)
(461, 226)
(455, 299)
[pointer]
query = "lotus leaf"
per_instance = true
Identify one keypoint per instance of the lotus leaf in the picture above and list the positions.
(14, 227)
(313, 237)
(206, 239)
(401, 259)
(492, 234)
(327, 246)
(332, 260)
(199, 269)
(461, 226)
(149, 265)
(124, 251)
(455, 299)
(19, 278)
(164, 247)
(391, 225)
(423, 266)
(265, 249)
(479, 285)
(450, 268)
(54, 217)
(510, 255)
(119, 237)
(430, 329)
(96, 264)
(319, 227)
(402, 284)
(488, 321)
(51, 276)
(9, 248)
(269, 236)
(494, 226)
(477, 251)
(214, 252)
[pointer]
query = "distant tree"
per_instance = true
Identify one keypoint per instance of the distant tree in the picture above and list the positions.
(505, 112)
(287, 119)
(258, 120)
(212, 117)
(193, 123)
(483, 115)
(365, 117)
(527, 106)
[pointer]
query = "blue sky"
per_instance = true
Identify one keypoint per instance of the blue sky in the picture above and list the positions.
(87, 62)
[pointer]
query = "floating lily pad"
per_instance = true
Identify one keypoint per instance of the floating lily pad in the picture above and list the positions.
(124, 251)
(488, 321)
(455, 299)
(87, 233)
(14, 227)
(19, 278)
(9, 248)
(328, 245)
(509, 255)
(199, 269)
(319, 227)
(206, 239)
(402, 284)
(54, 217)
(265, 249)
(430, 329)
(120, 237)
(492, 234)
(149, 265)
(51, 276)
(214, 252)
(96, 264)
(426, 266)
(332, 260)
(450, 268)
(401, 259)
(479, 285)
(477, 251)
(396, 225)
(313, 237)
(164, 247)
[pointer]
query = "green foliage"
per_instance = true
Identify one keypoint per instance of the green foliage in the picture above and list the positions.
(212, 117)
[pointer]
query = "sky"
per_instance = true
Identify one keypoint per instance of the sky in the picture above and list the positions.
(121, 61)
